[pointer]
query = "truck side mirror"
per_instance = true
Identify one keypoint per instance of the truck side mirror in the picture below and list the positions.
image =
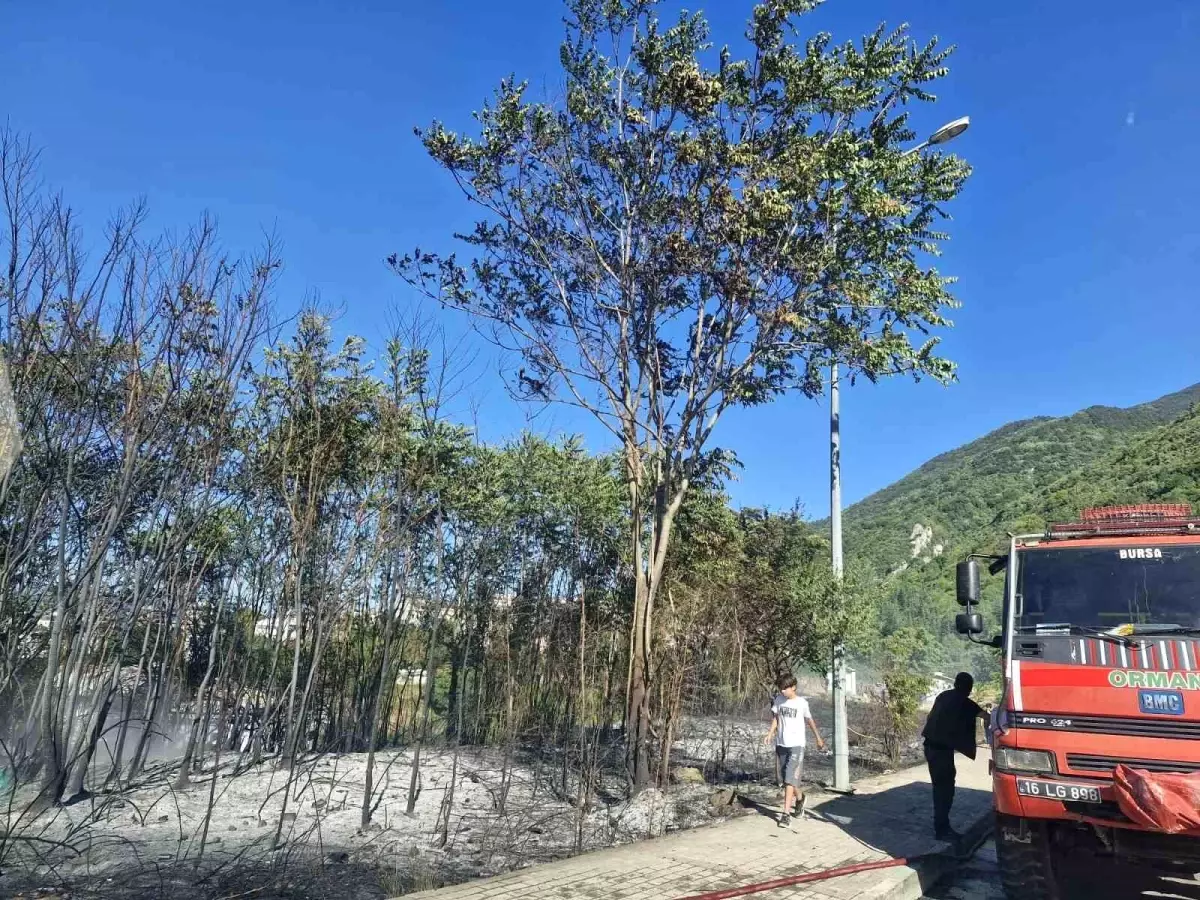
(969, 623)
(966, 574)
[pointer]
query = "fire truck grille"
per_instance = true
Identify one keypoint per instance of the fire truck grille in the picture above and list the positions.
(1129, 727)
(1085, 762)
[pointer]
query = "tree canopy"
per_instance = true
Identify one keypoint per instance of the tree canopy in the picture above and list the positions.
(682, 231)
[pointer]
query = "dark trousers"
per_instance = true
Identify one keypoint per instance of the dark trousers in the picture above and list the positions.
(942, 773)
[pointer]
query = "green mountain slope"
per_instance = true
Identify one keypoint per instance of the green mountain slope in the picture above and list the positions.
(1017, 478)
(966, 494)
(1159, 466)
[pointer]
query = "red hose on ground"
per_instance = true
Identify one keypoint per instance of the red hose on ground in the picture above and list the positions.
(790, 880)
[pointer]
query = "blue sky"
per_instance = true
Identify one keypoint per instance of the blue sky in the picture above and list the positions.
(1076, 242)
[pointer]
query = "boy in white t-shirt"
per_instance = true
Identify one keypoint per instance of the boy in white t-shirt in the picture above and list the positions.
(789, 713)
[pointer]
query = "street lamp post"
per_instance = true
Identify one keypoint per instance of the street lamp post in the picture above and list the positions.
(841, 736)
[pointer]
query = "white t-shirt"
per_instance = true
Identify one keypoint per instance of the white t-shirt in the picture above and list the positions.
(789, 719)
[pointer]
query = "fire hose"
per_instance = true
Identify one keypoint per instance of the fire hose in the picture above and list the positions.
(805, 878)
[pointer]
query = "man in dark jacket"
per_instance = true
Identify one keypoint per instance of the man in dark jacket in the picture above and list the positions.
(949, 728)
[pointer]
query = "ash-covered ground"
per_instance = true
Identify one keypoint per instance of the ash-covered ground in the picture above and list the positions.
(154, 842)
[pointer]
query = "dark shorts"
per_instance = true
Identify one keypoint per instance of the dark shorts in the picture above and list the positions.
(791, 764)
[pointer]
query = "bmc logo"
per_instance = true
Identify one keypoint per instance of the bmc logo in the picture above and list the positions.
(1142, 553)
(1161, 703)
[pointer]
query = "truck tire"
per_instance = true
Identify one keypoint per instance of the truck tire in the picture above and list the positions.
(1023, 854)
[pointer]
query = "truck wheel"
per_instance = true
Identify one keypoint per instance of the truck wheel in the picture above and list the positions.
(1023, 852)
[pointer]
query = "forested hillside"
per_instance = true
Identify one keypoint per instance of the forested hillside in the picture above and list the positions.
(1161, 465)
(969, 488)
(1018, 477)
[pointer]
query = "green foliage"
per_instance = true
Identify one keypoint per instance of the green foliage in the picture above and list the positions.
(680, 235)
(965, 492)
(751, 593)
(1019, 478)
(768, 201)
(1161, 465)
(903, 658)
(792, 608)
(317, 408)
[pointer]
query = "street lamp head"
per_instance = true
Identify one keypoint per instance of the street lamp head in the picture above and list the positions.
(950, 131)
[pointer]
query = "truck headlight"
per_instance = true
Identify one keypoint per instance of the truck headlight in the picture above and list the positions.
(1037, 762)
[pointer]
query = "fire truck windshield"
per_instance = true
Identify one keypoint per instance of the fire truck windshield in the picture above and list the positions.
(1107, 587)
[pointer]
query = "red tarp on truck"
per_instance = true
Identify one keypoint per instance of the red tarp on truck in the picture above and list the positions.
(1163, 801)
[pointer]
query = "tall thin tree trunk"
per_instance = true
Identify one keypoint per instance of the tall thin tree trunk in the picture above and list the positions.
(584, 799)
(423, 732)
(52, 774)
(300, 730)
(637, 715)
(153, 703)
(185, 765)
(385, 667)
(271, 707)
(449, 801)
(75, 789)
(289, 746)
(212, 787)
(114, 771)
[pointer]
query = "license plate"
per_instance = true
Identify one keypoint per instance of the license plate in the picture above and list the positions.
(1057, 790)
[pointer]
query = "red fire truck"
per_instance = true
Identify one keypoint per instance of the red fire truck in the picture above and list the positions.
(1097, 738)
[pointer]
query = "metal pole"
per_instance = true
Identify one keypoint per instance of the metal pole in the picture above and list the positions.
(841, 737)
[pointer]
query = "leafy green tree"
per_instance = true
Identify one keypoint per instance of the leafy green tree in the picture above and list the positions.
(794, 608)
(319, 411)
(906, 678)
(683, 233)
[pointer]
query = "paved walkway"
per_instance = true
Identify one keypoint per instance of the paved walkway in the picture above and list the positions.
(889, 816)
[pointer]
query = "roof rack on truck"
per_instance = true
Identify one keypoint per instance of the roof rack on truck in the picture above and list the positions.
(1137, 519)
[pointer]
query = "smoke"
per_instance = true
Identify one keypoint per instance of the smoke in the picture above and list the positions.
(23, 741)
